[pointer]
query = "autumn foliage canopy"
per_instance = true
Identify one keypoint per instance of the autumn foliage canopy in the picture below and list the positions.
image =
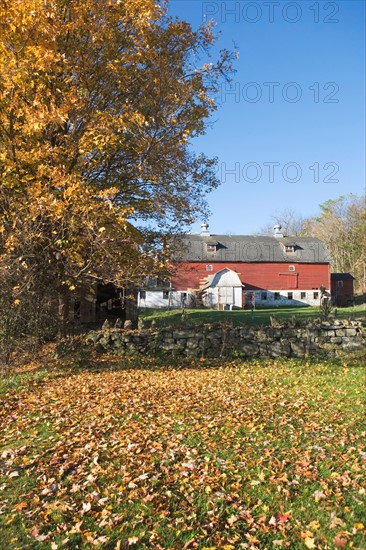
(99, 100)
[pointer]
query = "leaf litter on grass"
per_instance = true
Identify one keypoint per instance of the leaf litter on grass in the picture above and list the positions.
(258, 455)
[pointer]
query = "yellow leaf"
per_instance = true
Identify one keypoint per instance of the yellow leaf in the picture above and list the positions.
(309, 543)
(232, 519)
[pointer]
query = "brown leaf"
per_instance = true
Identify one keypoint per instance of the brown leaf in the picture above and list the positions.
(340, 541)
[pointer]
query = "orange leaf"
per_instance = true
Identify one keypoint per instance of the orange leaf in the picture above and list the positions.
(282, 518)
(20, 506)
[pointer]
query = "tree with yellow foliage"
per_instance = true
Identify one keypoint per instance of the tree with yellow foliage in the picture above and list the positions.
(99, 100)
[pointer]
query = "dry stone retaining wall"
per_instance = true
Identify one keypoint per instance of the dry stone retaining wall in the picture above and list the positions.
(323, 339)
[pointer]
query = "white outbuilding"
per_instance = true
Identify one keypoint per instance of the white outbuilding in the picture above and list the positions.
(223, 290)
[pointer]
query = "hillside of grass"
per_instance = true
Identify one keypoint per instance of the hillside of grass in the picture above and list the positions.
(163, 317)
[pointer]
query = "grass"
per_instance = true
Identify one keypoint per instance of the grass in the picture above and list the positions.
(193, 455)
(165, 317)
(18, 381)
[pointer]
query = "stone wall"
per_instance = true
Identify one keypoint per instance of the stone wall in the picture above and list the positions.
(215, 340)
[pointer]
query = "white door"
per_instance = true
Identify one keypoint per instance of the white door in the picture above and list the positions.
(226, 295)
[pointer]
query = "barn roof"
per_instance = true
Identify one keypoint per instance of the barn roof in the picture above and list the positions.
(247, 248)
(214, 280)
(341, 276)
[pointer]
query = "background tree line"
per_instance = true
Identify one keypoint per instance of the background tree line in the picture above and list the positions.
(341, 225)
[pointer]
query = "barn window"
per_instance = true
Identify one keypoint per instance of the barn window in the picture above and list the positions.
(289, 248)
(276, 295)
(290, 295)
(209, 268)
(211, 248)
(291, 268)
(303, 295)
(340, 284)
(166, 294)
(264, 296)
(142, 294)
(316, 295)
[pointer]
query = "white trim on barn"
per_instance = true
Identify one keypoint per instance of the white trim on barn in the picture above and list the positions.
(228, 297)
(277, 298)
(167, 299)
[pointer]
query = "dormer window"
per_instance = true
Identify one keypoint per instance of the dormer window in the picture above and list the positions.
(211, 248)
(289, 247)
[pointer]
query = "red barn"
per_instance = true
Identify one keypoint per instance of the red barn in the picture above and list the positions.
(235, 271)
(342, 289)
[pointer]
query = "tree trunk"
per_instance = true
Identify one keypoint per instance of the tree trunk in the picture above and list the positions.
(63, 313)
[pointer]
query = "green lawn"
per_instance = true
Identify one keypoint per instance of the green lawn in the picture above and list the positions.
(164, 317)
(209, 455)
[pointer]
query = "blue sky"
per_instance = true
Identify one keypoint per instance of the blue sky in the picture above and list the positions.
(290, 132)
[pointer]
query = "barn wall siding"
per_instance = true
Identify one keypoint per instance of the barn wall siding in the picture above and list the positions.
(274, 298)
(155, 299)
(345, 290)
(342, 295)
(275, 276)
(277, 298)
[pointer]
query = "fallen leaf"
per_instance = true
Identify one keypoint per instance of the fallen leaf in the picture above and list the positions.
(20, 506)
(232, 519)
(272, 521)
(339, 541)
(86, 507)
(42, 538)
(7, 453)
(282, 518)
(309, 542)
(318, 495)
